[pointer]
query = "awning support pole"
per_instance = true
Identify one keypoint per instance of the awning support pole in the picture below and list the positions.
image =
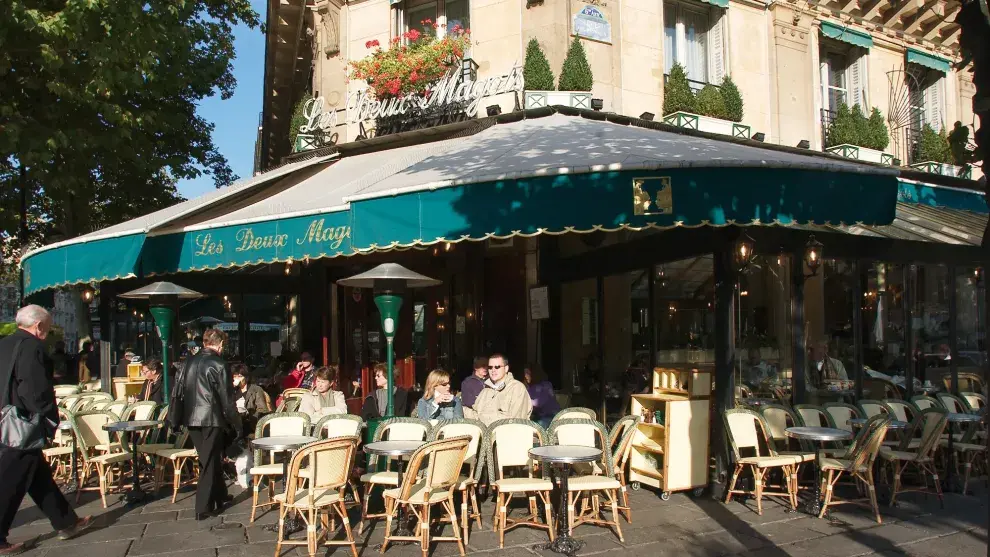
(857, 318)
(909, 345)
(799, 345)
(953, 332)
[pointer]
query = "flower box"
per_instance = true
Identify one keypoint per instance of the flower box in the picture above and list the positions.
(861, 153)
(707, 124)
(304, 142)
(944, 169)
(573, 99)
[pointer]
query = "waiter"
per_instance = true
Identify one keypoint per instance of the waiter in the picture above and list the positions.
(22, 366)
(208, 410)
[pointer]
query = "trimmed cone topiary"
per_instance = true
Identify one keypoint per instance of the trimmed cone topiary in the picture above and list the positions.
(710, 102)
(677, 94)
(933, 146)
(537, 75)
(878, 137)
(298, 119)
(843, 129)
(733, 100)
(575, 74)
(861, 125)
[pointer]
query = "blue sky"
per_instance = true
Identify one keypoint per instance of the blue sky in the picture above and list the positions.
(236, 119)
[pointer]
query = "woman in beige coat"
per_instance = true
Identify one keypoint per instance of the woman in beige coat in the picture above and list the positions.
(323, 400)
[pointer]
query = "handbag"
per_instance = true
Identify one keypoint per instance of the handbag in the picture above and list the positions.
(19, 428)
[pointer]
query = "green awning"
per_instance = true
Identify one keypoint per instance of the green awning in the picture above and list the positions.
(942, 197)
(102, 259)
(719, 3)
(847, 35)
(928, 60)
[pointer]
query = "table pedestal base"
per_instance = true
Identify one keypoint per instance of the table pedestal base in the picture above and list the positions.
(563, 543)
(134, 496)
(293, 524)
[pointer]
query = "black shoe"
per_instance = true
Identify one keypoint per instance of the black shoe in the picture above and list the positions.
(80, 526)
(203, 516)
(222, 504)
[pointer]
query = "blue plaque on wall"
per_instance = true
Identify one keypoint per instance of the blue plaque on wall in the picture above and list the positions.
(591, 23)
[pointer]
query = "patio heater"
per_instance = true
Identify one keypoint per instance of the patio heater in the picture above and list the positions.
(163, 297)
(389, 281)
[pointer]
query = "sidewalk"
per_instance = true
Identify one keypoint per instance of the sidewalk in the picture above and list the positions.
(682, 526)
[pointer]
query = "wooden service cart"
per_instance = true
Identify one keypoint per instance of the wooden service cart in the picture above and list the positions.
(670, 446)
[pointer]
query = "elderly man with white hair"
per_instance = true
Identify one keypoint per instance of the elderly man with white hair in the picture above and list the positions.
(26, 384)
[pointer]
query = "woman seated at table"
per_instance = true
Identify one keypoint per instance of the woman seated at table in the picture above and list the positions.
(323, 400)
(376, 404)
(545, 405)
(152, 389)
(438, 403)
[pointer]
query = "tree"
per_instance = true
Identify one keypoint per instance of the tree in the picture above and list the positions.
(575, 74)
(710, 102)
(877, 135)
(733, 100)
(537, 74)
(677, 94)
(974, 42)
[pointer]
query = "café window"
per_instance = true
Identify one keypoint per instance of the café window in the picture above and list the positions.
(449, 15)
(762, 324)
(843, 75)
(693, 36)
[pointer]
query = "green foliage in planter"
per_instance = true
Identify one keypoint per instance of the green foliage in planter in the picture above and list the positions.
(575, 74)
(298, 119)
(876, 134)
(677, 94)
(860, 124)
(710, 102)
(959, 145)
(843, 129)
(733, 100)
(933, 146)
(537, 74)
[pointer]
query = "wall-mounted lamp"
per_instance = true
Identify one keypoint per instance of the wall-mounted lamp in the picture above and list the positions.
(648, 116)
(597, 104)
(87, 294)
(759, 136)
(813, 255)
(804, 144)
(743, 253)
(494, 110)
(288, 267)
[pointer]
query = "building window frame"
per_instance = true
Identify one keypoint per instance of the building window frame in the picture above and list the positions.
(676, 41)
(439, 16)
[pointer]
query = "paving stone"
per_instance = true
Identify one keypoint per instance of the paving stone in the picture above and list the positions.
(961, 544)
(181, 526)
(791, 531)
(117, 548)
(105, 534)
(592, 545)
(144, 517)
(150, 545)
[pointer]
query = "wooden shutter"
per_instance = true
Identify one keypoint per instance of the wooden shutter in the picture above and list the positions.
(934, 104)
(717, 62)
(858, 79)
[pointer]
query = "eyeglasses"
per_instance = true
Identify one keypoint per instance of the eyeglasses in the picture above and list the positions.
(496, 367)
(445, 384)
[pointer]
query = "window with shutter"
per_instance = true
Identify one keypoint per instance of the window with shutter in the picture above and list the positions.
(858, 79)
(693, 38)
(934, 111)
(716, 46)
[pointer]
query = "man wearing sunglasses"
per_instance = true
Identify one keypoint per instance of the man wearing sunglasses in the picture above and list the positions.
(502, 397)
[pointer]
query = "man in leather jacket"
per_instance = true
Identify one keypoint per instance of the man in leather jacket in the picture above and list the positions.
(208, 410)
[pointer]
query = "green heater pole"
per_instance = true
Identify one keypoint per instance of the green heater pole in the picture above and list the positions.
(163, 324)
(388, 307)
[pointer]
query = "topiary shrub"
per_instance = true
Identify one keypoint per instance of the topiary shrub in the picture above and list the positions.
(677, 94)
(537, 75)
(877, 136)
(575, 74)
(733, 100)
(933, 146)
(843, 129)
(861, 125)
(298, 119)
(959, 145)
(710, 102)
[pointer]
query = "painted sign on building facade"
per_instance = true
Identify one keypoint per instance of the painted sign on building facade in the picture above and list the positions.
(591, 22)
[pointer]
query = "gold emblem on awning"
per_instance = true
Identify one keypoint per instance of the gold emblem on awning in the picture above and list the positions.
(652, 196)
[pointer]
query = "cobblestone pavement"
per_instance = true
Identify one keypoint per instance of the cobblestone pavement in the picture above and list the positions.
(682, 526)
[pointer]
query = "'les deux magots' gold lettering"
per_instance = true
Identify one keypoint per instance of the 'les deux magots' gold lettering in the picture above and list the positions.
(248, 241)
(334, 236)
(206, 246)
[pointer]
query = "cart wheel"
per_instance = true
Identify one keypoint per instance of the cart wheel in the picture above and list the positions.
(635, 486)
(698, 492)
(665, 496)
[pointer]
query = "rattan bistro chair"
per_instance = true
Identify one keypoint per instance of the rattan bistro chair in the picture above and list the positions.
(512, 440)
(590, 487)
(285, 423)
(778, 418)
(745, 428)
(105, 462)
(923, 402)
(857, 462)
(339, 425)
(391, 429)
(475, 460)
(813, 415)
(931, 424)
(576, 413)
(321, 502)
(442, 461)
(620, 440)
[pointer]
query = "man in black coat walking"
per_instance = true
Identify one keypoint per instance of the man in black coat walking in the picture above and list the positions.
(26, 383)
(207, 408)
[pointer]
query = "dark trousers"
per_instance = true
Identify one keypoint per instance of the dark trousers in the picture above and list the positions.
(211, 490)
(28, 472)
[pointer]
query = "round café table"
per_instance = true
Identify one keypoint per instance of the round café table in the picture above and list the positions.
(283, 444)
(817, 435)
(135, 495)
(399, 450)
(560, 458)
(894, 424)
(66, 425)
(955, 418)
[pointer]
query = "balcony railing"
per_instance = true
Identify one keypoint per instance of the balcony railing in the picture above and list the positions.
(695, 85)
(827, 117)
